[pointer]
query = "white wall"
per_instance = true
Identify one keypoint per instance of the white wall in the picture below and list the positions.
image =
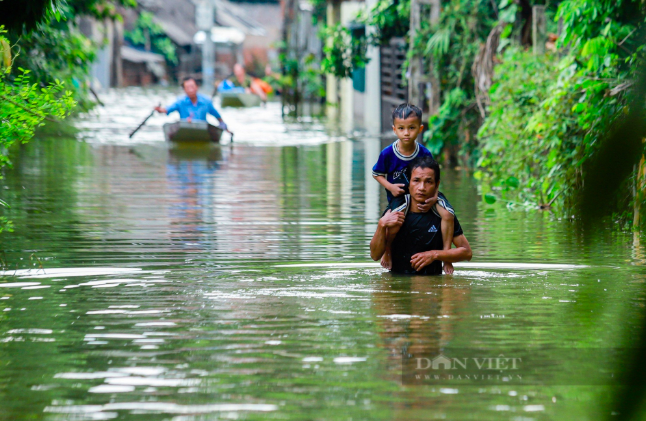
(372, 96)
(349, 11)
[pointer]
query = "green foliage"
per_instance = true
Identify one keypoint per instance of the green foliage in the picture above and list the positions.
(54, 49)
(454, 44)
(312, 80)
(56, 52)
(548, 113)
(24, 106)
(301, 77)
(515, 140)
(343, 53)
(389, 19)
(319, 11)
(147, 32)
(26, 14)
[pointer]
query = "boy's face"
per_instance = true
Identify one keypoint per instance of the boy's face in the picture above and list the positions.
(407, 129)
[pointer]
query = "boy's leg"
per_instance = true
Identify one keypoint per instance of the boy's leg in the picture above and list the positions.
(447, 228)
(387, 259)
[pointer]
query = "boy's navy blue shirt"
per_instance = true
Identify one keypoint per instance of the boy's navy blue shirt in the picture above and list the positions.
(392, 163)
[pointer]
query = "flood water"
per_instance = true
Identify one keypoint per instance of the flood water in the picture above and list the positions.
(146, 282)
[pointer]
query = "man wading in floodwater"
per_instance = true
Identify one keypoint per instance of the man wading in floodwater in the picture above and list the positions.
(417, 247)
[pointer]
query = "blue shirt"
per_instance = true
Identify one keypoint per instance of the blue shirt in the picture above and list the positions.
(392, 163)
(197, 111)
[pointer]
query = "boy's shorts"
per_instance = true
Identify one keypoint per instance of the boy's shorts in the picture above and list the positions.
(402, 203)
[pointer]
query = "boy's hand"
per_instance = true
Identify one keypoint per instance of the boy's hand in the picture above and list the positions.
(392, 219)
(428, 204)
(397, 189)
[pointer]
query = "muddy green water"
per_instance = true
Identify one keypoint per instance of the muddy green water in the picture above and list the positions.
(151, 283)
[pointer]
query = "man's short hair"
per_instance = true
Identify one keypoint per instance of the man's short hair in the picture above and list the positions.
(405, 110)
(424, 162)
(186, 79)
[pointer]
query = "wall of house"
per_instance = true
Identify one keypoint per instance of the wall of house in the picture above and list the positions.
(355, 109)
(372, 96)
(136, 74)
(101, 32)
(348, 120)
(258, 50)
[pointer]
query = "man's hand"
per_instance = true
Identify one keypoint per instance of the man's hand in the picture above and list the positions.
(160, 109)
(392, 219)
(421, 260)
(428, 204)
(396, 189)
(223, 126)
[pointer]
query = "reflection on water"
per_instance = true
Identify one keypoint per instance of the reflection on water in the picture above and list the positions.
(233, 282)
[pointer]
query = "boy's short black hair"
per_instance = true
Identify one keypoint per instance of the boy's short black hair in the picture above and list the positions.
(405, 110)
(424, 162)
(186, 79)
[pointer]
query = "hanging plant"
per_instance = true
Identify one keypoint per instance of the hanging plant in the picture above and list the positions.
(343, 53)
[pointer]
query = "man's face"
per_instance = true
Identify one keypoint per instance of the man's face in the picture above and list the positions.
(407, 129)
(239, 71)
(190, 87)
(422, 184)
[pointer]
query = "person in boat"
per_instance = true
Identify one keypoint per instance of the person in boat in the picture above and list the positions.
(418, 246)
(192, 106)
(241, 82)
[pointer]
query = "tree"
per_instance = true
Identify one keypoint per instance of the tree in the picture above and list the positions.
(24, 106)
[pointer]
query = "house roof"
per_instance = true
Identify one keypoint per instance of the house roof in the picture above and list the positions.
(177, 18)
(137, 56)
(234, 16)
(176, 33)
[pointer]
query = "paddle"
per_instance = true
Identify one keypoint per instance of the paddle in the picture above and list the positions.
(226, 130)
(132, 133)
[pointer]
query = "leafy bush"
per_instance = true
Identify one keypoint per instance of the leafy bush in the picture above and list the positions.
(454, 44)
(53, 48)
(549, 112)
(24, 106)
(344, 52)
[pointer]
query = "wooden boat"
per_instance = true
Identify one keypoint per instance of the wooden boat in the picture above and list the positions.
(239, 99)
(194, 131)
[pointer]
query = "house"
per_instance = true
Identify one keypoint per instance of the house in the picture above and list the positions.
(177, 18)
(141, 68)
(366, 100)
(119, 63)
(358, 102)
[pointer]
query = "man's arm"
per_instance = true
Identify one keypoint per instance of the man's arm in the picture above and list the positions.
(458, 254)
(167, 110)
(211, 110)
(378, 242)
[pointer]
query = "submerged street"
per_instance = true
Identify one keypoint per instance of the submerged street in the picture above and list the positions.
(234, 282)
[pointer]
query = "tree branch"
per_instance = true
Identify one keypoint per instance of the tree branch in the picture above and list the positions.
(6, 98)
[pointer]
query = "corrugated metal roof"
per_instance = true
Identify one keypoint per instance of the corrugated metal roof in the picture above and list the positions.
(177, 18)
(138, 56)
(234, 16)
(175, 32)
